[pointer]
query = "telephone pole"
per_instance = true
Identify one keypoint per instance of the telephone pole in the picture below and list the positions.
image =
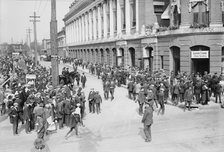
(28, 36)
(35, 34)
(54, 47)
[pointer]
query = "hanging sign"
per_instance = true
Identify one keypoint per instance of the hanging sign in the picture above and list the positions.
(199, 54)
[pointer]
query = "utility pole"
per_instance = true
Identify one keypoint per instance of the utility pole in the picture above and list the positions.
(28, 36)
(35, 34)
(54, 45)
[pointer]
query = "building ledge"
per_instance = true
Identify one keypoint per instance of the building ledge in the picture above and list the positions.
(110, 39)
(192, 31)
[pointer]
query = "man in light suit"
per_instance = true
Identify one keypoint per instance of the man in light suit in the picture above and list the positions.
(147, 120)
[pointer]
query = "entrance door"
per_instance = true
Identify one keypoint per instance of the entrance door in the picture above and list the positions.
(148, 59)
(175, 51)
(120, 57)
(132, 56)
(114, 58)
(200, 65)
(200, 59)
(102, 56)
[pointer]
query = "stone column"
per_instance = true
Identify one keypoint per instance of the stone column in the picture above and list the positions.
(105, 20)
(76, 31)
(186, 16)
(128, 17)
(67, 31)
(87, 26)
(84, 28)
(94, 23)
(73, 31)
(216, 14)
(118, 18)
(70, 32)
(111, 19)
(99, 22)
(137, 16)
(90, 25)
(80, 30)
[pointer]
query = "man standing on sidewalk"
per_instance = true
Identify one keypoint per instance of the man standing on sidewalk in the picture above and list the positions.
(91, 101)
(83, 80)
(147, 120)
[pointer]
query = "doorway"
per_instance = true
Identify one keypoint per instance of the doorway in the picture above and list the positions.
(102, 56)
(148, 59)
(114, 57)
(108, 56)
(200, 59)
(120, 57)
(132, 56)
(175, 53)
(200, 65)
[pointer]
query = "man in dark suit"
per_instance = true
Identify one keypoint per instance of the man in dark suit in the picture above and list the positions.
(14, 117)
(112, 87)
(130, 89)
(67, 111)
(91, 101)
(98, 101)
(83, 80)
(147, 120)
(27, 114)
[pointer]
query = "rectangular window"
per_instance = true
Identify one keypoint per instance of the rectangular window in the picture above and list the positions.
(108, 16)
(200, 14)
(133, 13)
(124, 15)
(115, 15)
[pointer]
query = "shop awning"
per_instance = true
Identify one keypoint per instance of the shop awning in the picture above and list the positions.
(166, 13)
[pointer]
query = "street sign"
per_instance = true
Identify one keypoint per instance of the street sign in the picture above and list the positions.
(199, 54)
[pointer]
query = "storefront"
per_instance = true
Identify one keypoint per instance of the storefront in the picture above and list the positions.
(200, 59)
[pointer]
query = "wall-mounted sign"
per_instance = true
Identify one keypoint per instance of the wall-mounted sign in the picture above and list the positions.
(199, 54)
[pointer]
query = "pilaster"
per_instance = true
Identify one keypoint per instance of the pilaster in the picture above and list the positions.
(216, 14)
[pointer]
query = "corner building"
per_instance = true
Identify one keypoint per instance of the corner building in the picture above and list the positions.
(174, 35)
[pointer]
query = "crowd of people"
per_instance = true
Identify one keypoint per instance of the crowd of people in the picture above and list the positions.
(160, 87)
(44, 108)
(39, 106)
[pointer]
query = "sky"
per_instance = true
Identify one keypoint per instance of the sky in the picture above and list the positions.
(15, 18)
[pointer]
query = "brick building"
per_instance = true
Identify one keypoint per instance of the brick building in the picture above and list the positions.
(174, 35)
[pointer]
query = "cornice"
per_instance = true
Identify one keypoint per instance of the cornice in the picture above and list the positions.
(75, 13)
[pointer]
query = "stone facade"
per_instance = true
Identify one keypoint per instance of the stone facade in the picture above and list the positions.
(136, 33)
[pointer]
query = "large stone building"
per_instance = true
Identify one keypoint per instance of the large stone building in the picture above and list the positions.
(174, 35)
(62, 48)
